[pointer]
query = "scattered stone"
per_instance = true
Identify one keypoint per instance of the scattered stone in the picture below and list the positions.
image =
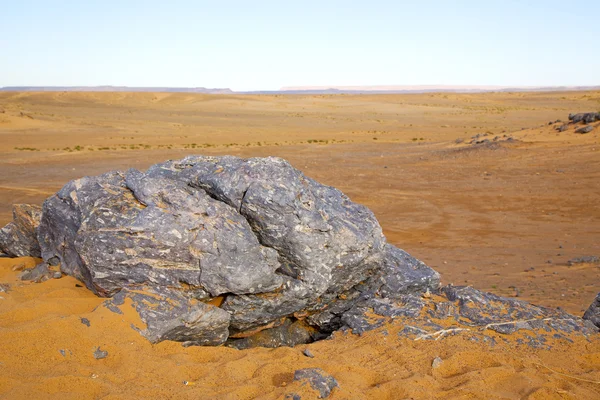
(585, 129)
(39, 273)
(4, 287)
(584, 260)
(308, 353)
(19, 237)
(436, 362)
(57, 275)
(459, 140)
(62, 352)
(593, 312)
(85, 321)
(100, 354)
(586, 118)
(293, 396)
(318, 380)
(563, 128)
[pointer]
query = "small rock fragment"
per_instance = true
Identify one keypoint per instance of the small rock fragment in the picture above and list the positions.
(318, 379)
(4, 287)
(19, 237)
(57, 275)
(85, 321)
(584, 260)
(100, 354)
(585, 129)
(436, 362)
(308, 353)
(37, 274)
(62, 352)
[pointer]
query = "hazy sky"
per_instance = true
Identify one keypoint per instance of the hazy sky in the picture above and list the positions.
(255, 44)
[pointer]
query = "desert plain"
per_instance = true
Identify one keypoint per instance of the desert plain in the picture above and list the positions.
(505, 216)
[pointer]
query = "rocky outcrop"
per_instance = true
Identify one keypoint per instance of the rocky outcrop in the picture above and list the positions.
(282, 255)
(592, 314)
(586, 118)
(19, 238)
(464, 310)
(245, 253)
(170, 315)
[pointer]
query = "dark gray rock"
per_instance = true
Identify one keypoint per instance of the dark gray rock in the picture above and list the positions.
(308, 353)
(99, 354)
(39, 273)
(85, 321)
(19, 237)
(318, 380)
(585, 129)
(272, 242)
(472, 312)
(170, 315)
(563, 127)
(402, 274)
(386, 292)
(593, 312)
(584, 260)
(586, 118)
(245, 253)
(128, 229)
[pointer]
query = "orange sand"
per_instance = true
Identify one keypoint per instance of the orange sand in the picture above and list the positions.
(480, 216)
(39, 320)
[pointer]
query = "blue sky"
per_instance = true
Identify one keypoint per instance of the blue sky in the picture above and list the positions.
(247, 45)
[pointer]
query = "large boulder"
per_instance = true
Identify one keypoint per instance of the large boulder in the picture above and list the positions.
(267, 244)
(19, 237)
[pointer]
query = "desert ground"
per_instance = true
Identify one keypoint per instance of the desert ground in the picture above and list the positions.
(504, 216)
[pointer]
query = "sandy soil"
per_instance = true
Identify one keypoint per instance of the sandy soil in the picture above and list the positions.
(48, 353)
(504, 218)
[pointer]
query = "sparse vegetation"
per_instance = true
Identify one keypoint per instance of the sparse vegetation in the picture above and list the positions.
(27, 149)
